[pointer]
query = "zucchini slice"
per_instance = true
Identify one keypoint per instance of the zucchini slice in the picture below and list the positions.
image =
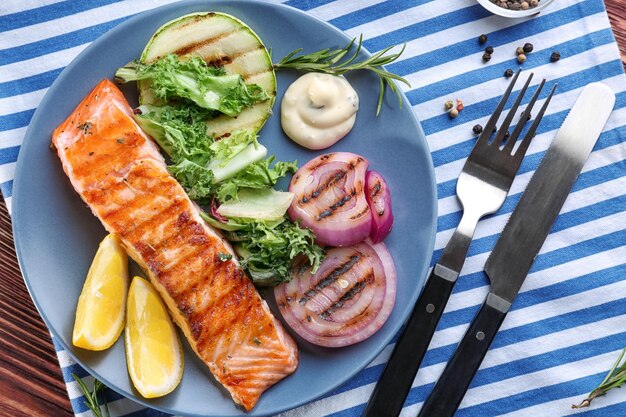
(222, 40)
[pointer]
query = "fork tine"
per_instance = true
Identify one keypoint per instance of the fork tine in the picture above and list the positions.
(523, 147)
(520, 125)
(512, 112)
(491, 124)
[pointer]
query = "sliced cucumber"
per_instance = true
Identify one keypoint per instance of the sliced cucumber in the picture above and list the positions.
(223, 40)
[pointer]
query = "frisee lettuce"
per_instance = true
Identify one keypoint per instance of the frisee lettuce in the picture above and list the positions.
(266, 248)
(179, 131)
(195, 179)
(192, 79)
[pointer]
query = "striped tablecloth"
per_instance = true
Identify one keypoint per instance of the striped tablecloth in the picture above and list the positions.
(569, 321)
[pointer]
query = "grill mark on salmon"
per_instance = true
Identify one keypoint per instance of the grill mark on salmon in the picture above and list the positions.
(187, 260)
(168, 228)
(118, 215)
(175, 280)
(226, 303)
(177, 276)
(192, 290)
(216, 305)
(205, 276)
(161, 223)
(179, 248)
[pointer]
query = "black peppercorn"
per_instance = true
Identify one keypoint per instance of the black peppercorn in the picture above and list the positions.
(489, 50)
(486, 57)
(528, 47)
(555, 56)
(477, 129)
(482, 39)
(508, 73)
(137, 111)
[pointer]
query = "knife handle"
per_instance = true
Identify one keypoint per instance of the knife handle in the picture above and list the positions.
(394, 385)
(460, 370)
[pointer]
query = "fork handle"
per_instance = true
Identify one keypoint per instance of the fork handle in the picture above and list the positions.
(397, 378)
(460, 370)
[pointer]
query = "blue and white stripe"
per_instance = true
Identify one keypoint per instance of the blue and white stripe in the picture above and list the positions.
(569, 321)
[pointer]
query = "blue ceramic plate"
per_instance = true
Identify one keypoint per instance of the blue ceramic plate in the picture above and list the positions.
(56, 235)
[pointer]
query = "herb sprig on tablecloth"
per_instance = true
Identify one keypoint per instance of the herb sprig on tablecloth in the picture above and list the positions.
(614, 379)
(91, 396)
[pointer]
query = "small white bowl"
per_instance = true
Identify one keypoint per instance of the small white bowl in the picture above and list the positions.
(515, 14)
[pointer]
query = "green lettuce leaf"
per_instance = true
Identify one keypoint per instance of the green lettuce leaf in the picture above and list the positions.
(234, 154)
(267, 248)
(192, 79)
(257, 204)
(179, 131)
(195, 179)
(257, 175)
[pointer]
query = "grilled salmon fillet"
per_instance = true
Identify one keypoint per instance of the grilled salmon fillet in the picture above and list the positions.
(118, 171)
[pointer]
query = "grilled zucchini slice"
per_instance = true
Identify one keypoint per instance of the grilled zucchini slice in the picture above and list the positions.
(221, 40)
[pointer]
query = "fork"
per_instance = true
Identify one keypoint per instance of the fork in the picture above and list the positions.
(482, 187)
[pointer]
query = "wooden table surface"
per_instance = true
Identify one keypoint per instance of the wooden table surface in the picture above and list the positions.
(30, 378)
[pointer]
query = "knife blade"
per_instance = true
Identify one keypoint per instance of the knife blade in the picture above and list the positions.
(521, 240)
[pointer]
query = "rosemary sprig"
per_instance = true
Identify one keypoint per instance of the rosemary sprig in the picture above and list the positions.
(614, 379)
(91, 396)
(327, 61)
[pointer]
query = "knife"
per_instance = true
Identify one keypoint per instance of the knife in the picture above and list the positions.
(521, 240)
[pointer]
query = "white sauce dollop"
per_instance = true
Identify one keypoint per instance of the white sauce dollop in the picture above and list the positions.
(318, 110)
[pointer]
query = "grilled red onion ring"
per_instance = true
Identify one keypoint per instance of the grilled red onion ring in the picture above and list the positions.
(379, 199)
(330, 198)
(346, 301)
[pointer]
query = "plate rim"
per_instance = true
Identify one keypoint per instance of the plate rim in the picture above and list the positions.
(17, 192)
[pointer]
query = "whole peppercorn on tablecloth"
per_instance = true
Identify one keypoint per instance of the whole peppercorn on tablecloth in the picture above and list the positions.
(568, 324)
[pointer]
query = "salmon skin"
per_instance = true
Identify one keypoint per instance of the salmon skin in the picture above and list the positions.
(119, 172)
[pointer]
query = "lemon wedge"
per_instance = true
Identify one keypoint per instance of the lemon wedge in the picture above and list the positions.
(100, 311)
(153, 351)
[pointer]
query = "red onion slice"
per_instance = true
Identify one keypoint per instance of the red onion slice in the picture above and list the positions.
(379, 200)
(330, 198)
(213, 210)
(346, 301)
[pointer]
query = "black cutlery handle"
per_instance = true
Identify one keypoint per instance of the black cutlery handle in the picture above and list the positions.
(397, 378)
(460, 370)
